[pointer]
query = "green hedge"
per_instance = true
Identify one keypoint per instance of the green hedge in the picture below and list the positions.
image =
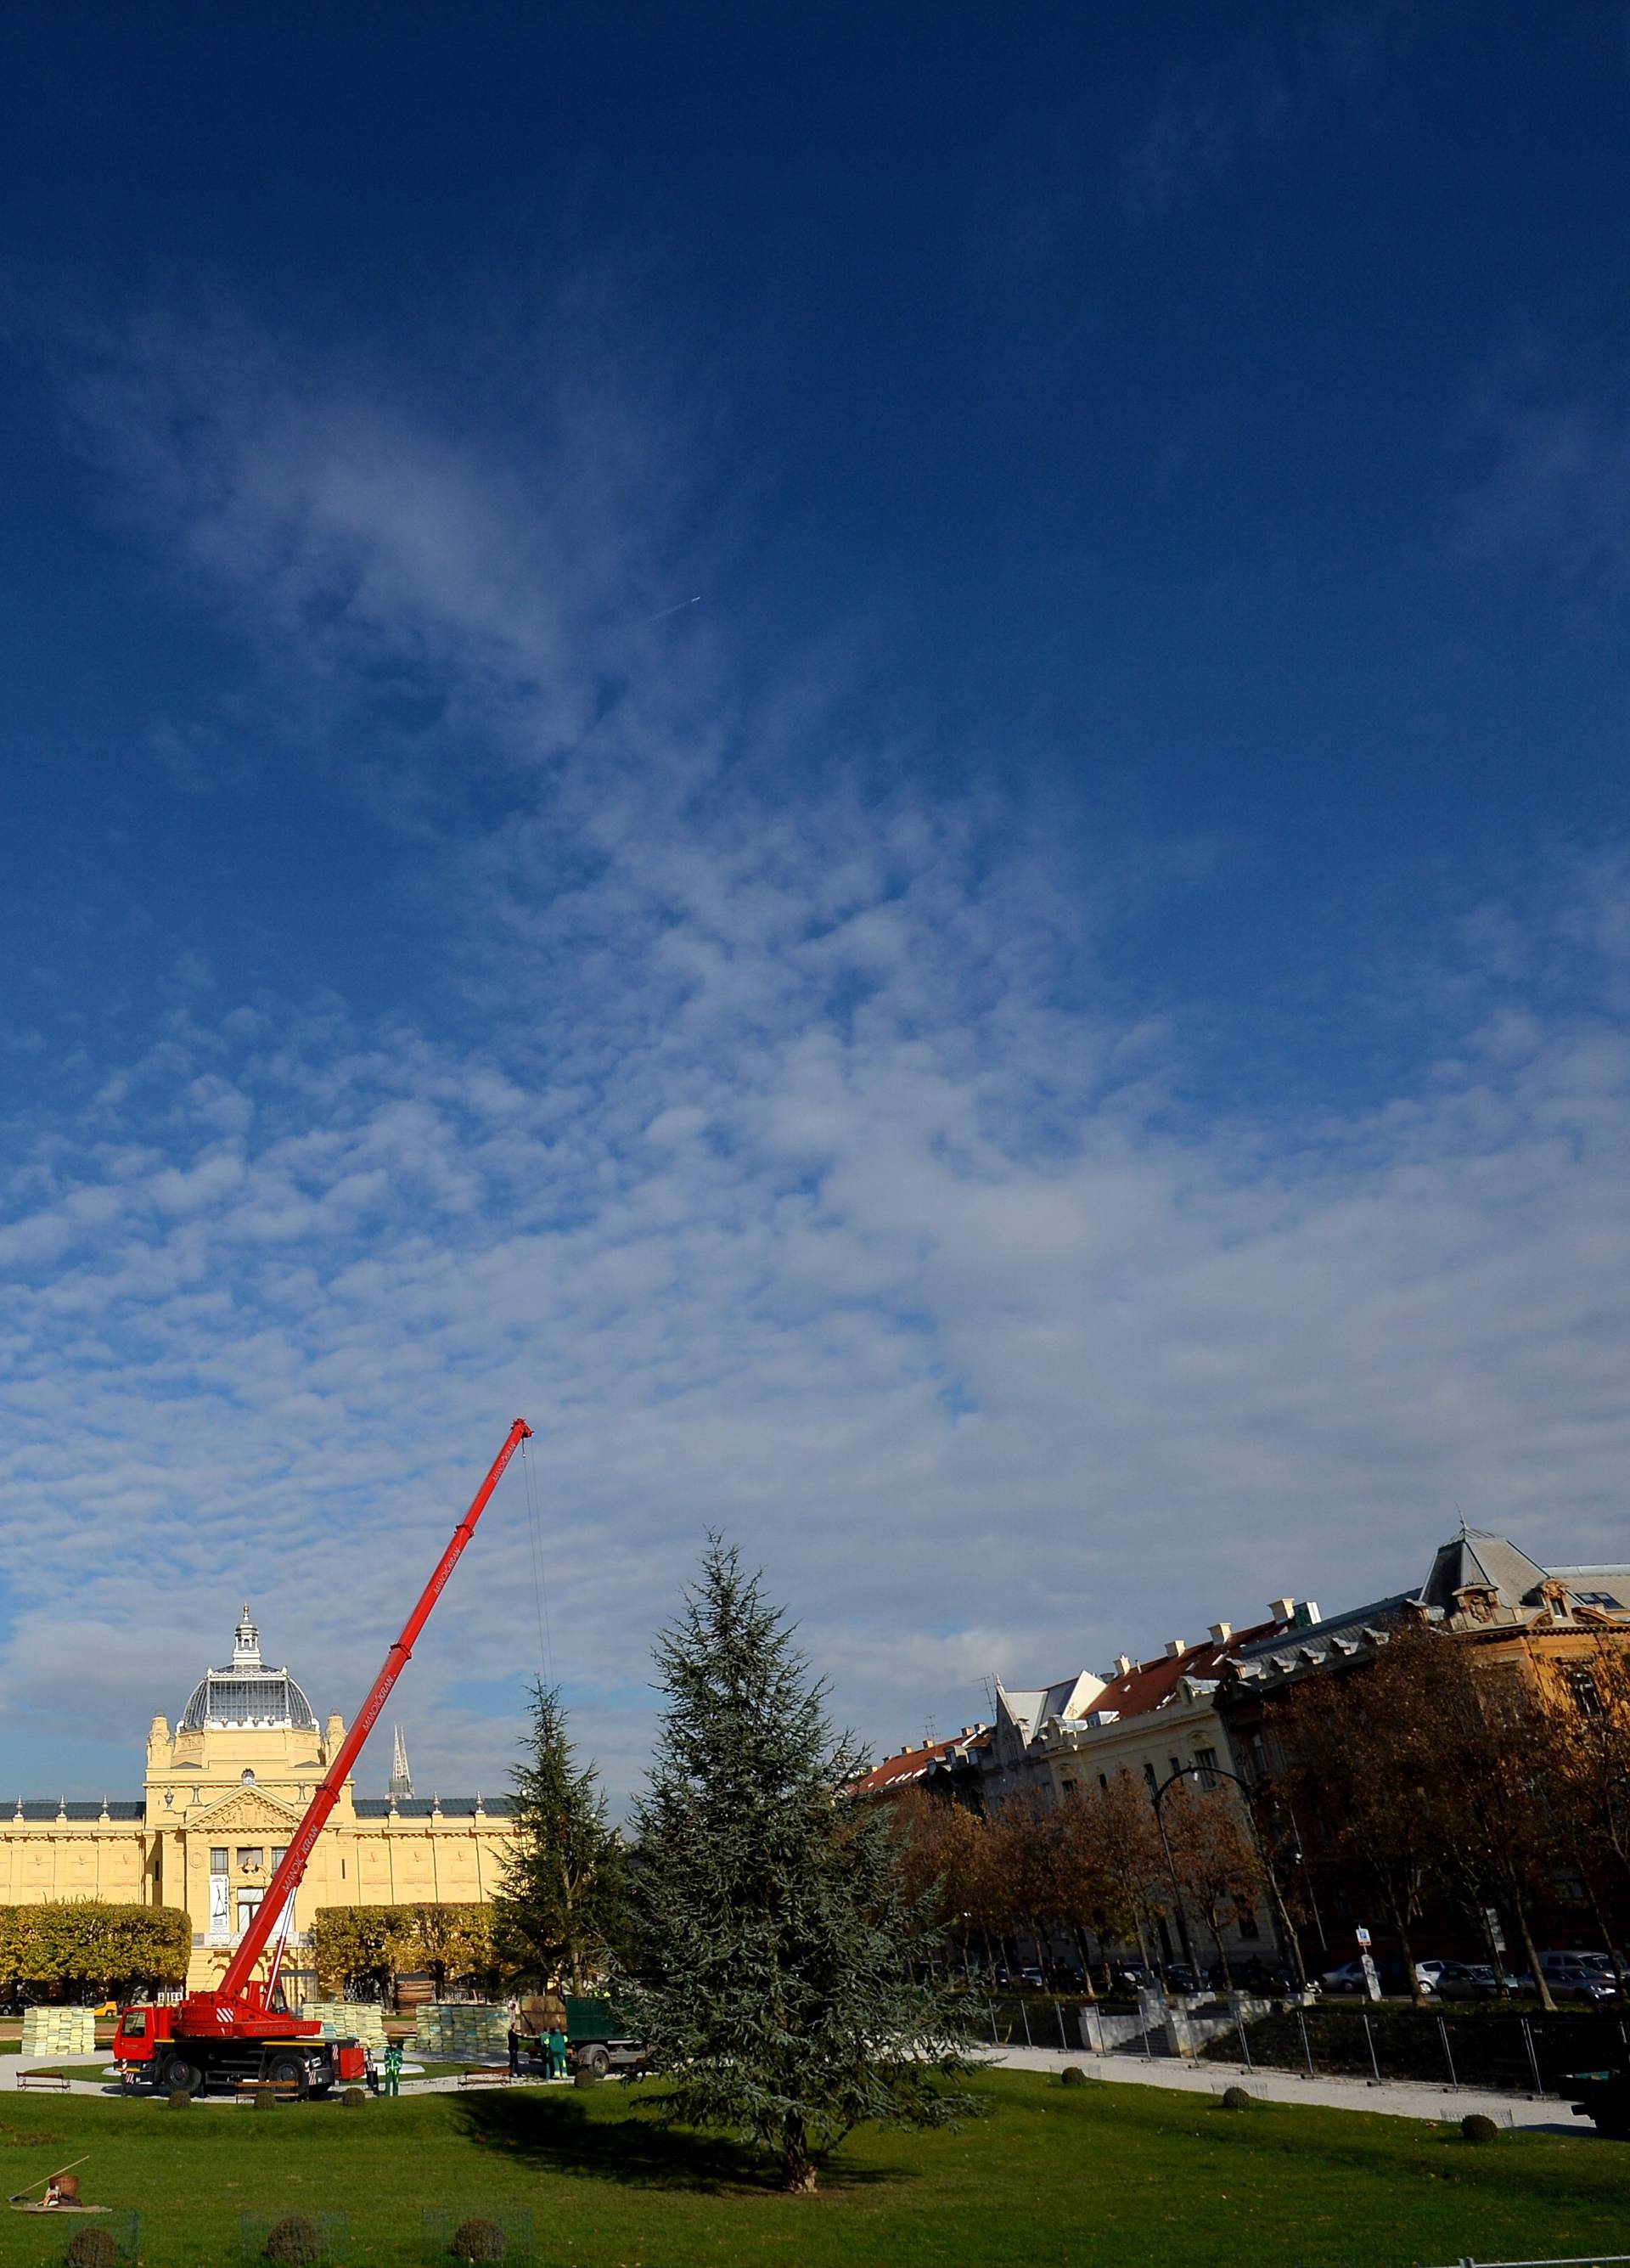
(358, 1948)
(84, 1950)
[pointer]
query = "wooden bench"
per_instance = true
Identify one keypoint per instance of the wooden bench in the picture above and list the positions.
(477, 2076)
(51, 2080)
(281, 2090)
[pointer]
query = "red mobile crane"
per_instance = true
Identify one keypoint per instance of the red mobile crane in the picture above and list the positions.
(234, 2033)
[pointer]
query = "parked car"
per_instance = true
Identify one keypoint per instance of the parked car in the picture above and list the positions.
(1466, 1980)
(1349, 1978)
(1571, 1980)
(1259, 1976)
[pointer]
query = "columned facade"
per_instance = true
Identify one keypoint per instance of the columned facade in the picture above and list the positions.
(223, 1794)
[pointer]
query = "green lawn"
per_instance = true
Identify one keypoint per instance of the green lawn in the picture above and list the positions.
(1146, 2178)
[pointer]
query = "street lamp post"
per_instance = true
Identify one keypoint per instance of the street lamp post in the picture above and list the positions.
(1206, 1773)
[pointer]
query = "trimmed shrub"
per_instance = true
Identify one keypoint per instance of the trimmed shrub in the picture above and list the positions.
(266, 2100)
(585, 2078)
(1474, 2127)
(477, 2240)
(355, 2097)
(295, 2243)
(91, 2248)
(179, 2099)
(1236, 2098)
(1073, 2075)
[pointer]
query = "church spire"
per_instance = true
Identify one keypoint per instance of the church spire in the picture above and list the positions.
(401, 1779)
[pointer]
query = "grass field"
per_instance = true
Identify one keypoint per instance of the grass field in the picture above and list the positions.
(1099, 2173)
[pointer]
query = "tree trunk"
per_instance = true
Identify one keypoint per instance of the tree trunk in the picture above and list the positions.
(1606, 1933)
(798, 2167)
(1532, 1958)
(1216, 1927)
(1402, 1927)
(1289, 1941)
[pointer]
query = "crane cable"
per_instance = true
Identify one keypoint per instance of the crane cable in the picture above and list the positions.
(541, 1597)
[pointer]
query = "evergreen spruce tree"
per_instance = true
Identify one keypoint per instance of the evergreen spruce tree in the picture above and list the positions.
(560, 1909)
(767, 1964)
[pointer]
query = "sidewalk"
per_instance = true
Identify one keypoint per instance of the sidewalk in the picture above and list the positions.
(1393, 2099)
(11, 2065)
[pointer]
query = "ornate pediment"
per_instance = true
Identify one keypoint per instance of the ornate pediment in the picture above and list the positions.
(247, 1810)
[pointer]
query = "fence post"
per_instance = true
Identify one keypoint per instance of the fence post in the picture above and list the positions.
(1443, 2035)
(1306, 2050)
(1369, 2039)
(1533, 2058)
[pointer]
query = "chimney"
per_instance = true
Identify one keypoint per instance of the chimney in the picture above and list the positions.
(1221, 1633)
(1280, 1610)
(1175, 1647)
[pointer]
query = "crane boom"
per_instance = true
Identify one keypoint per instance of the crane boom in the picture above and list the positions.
(291, 1866)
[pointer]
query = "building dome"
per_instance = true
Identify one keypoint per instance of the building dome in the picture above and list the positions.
(247, 1693)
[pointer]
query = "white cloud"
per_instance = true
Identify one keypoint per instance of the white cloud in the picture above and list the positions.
(791, 1161)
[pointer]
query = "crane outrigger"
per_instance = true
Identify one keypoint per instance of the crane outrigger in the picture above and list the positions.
(233, 2032)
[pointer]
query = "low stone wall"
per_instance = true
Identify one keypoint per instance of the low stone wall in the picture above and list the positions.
(1162, 2027)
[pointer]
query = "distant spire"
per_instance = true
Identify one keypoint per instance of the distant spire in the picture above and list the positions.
(401, 1779)
(247, 1646)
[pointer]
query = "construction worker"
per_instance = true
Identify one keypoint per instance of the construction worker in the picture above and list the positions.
(393, 2067)
(557, 2053)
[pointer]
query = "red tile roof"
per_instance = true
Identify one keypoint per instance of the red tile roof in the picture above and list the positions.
(897, 1772)
(1148, 1683)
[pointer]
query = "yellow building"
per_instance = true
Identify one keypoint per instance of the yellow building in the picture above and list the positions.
(223, 1794)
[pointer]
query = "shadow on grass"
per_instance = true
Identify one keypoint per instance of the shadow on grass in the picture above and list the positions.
(556, 2133)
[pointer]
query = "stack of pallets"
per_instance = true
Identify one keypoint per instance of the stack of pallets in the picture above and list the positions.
(349, 2020)
(452, 2032)
(58, 2031)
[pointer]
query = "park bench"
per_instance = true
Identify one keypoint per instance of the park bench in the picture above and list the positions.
(477, 2076)
(281, 2090)
(52, 2080)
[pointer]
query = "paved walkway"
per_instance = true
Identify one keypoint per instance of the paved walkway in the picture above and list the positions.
(1393, 2098)
(10, 2066)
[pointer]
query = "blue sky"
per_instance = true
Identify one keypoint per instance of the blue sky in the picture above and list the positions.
(1050, 1055)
